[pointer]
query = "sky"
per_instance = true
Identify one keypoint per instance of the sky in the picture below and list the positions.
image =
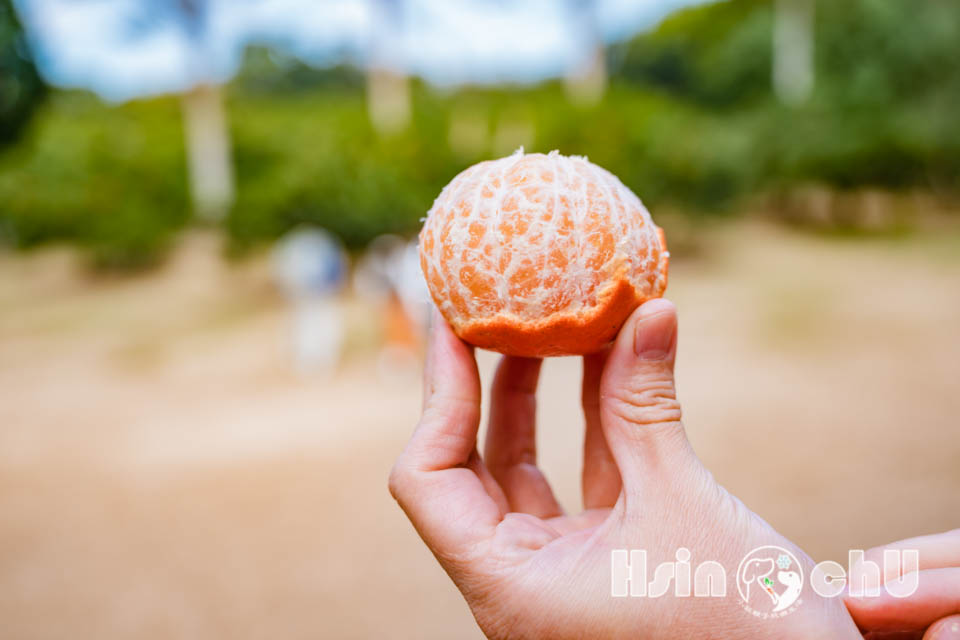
(127, 48)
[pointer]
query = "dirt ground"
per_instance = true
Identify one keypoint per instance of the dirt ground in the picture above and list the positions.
(165, 473)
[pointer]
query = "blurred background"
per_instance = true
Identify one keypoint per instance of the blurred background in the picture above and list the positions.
(211, 313)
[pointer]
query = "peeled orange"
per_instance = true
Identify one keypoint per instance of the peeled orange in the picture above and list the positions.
(540, 255)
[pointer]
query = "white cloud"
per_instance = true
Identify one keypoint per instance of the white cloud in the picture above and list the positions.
(88, 43)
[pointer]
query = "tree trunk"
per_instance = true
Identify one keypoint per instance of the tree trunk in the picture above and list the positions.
(793, 70)
(208, 152)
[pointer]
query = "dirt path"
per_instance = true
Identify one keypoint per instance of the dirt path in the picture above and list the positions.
(164, 473)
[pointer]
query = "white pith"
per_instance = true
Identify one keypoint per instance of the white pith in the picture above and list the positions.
(637, 252)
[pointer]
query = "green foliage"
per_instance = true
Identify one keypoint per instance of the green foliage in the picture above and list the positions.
(689, 121)
(21, 88)
(884, 106)
(314, 158)
(110, 178)
(716, 55)
(268, 71)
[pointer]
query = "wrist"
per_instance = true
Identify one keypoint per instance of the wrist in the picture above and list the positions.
(810, 616)
(814, 617)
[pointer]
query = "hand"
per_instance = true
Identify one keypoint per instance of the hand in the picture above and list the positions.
(933, 612)
(527, 569)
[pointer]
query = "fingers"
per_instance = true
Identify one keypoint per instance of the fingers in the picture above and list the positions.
(511, 448)
(937, 596)
(600, 481)
(938, 586)
(639, 411)
(439, 479)
(946, 629)
(935, 551)
(447, 431)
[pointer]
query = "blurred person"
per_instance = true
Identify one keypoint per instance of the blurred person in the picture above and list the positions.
(389, 277)
(310, 267)
(529, 570)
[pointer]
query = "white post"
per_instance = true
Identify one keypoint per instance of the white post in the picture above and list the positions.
(587, 81)
(793, 43)
(388, 87)
(208, 152)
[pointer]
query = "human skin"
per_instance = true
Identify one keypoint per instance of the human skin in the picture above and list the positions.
(527, 569)
(932, 612)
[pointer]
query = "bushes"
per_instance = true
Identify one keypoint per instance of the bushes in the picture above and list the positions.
(20, 86)
(884, 103)
(113, 178)
(315, 159)
(717, 55)
(109, 178)
(689, 122)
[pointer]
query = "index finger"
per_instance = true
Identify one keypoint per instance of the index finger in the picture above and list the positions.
(439, 480)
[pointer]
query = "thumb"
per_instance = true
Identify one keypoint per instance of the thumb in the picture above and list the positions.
(638, 400)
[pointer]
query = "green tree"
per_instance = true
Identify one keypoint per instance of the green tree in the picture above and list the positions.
(21, 87)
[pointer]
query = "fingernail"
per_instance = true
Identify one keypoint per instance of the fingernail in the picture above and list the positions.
(654, 336)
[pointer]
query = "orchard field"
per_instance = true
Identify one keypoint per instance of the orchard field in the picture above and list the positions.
(166, 473)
